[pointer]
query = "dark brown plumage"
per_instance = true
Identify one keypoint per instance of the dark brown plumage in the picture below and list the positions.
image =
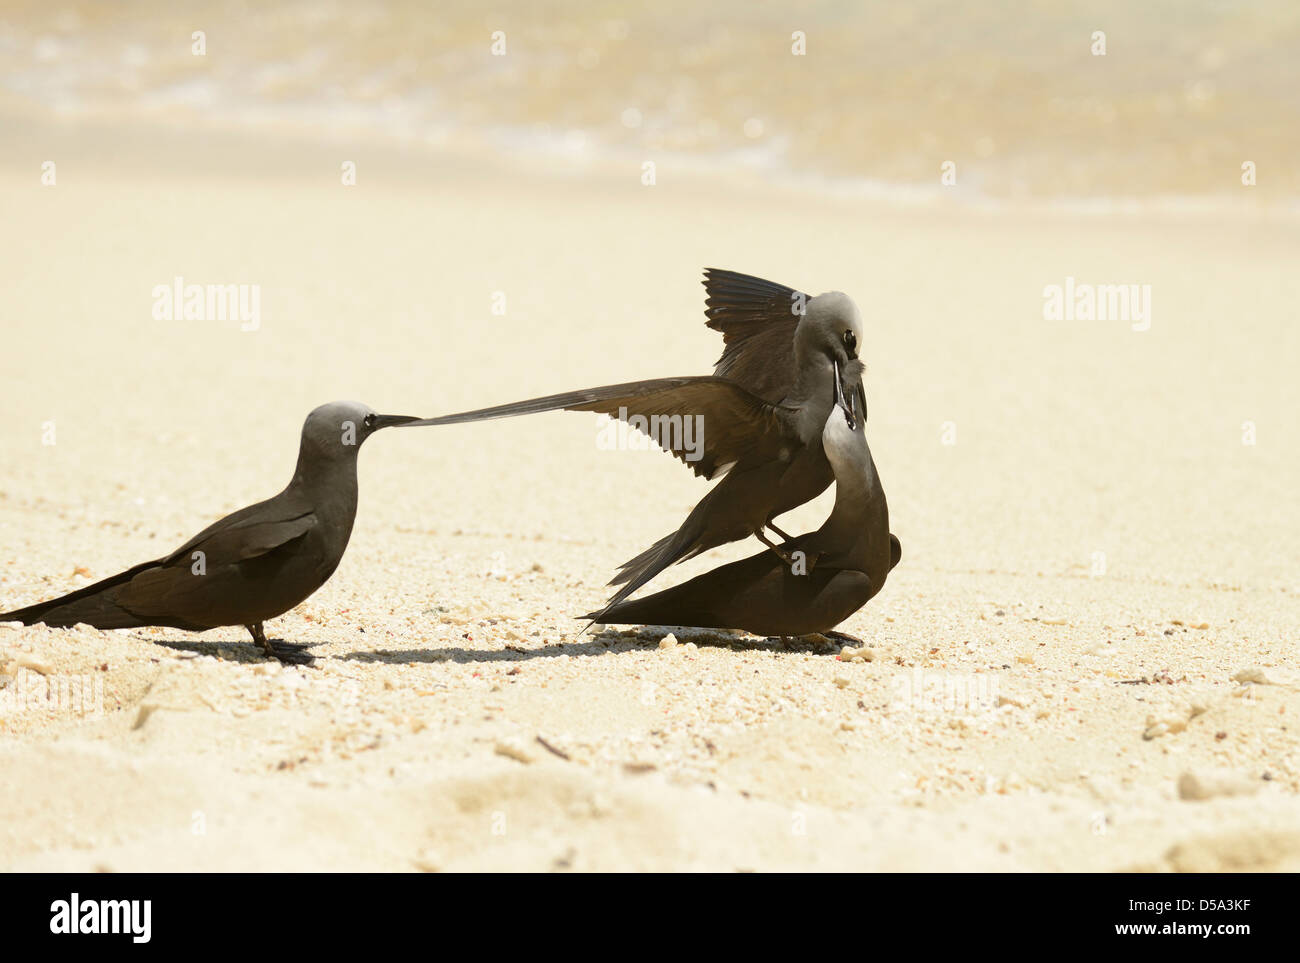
(252, 565)
(763, 412)
(827, 576)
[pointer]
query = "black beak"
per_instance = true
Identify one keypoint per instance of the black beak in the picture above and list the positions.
(839, 399)
(393, 421)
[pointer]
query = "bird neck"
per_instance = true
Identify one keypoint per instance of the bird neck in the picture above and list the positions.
(855, 491)
(812, 379)
(811, 398)
(327, 481)
(856, 535)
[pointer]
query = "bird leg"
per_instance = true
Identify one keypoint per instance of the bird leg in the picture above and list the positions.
(784, 536)
(259, 636)
(284, 651)
(780, 553)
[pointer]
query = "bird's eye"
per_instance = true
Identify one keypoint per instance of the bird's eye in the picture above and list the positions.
(370, 420)
(850, 340)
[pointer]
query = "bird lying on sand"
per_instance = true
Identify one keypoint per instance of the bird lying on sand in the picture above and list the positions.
(833, 571)
(762, 413)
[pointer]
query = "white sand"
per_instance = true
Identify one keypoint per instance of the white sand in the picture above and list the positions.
(996, 727)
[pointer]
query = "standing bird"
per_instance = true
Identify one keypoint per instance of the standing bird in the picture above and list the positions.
(762, 413)
(252, 565)
(836, 570)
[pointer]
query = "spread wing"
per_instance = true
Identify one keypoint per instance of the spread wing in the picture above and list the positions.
(757, 319)
(708, 423)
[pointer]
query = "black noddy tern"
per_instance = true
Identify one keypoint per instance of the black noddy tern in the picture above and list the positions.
(837, 569)
(762, 411)
(252, 565)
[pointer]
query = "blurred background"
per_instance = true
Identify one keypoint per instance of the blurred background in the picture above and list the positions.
(1011, 91)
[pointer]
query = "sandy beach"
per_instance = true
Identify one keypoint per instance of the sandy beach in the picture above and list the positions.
(1086, 659)
(1021, 702)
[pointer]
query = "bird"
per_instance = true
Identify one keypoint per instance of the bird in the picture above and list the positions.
(252, 565)
(835, 570)
(762, 412)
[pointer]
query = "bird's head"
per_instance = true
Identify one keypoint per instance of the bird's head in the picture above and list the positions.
(337, 429)
(831, 328)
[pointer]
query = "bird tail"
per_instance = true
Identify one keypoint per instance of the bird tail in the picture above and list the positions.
(688, 541)
(672, 549)
(611, 614)
(94, 605)
(648, 610)
(635, 572)
(633, 566)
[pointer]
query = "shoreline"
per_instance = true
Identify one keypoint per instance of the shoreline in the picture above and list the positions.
(241, 151)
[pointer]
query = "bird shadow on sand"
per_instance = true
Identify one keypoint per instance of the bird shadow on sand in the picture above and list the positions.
(604, 643)
(228, 651)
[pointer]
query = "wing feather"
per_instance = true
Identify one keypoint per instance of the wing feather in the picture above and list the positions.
(709, 424)
(757, 319)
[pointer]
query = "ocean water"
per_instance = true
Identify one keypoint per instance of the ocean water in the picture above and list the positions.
(1011, 93)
